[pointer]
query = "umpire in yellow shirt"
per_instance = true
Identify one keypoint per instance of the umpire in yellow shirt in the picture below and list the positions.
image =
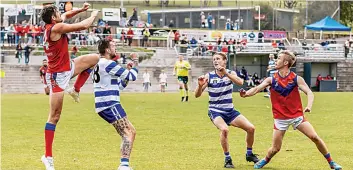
(181, 69)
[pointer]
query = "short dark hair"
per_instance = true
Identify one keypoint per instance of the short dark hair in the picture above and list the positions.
(103, 44)
(47, 13)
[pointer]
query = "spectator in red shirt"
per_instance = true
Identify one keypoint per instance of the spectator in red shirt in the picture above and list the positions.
(130, 35)
(176, 37)
(36, 33)
(318, 79)
(29, 32)
(224, 48)
(42, 73)
(18, 29)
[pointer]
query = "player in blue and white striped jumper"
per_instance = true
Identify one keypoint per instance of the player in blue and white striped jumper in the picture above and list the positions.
(221, 109)
(109, 79)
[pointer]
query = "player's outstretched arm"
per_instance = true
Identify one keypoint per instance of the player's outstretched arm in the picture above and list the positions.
(72, 13)
(202, 84)
(256, 89)
(63, 28)
(234, 77)
(305, 88)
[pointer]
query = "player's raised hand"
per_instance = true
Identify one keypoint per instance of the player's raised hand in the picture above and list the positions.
(130, 65)
(221, 69)
(85, 6)
(94, 13)
(202, 80)
(242, 93)
(307, 109)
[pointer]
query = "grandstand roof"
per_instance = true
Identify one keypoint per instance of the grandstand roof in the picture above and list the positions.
(197, 9)
(211, 9)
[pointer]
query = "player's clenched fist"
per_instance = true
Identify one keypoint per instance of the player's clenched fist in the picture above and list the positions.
(85, 6)
(202, 80)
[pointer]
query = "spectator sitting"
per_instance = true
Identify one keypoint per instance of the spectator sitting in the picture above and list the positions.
(184, 44)
(171, 24)
(106, 31)
(256, 79)
(74, 51)
(281, 45)
(304, 44)
(333, 41)
(243, 73)
(274, 44)
(250, 81)
(231, 45)
(193, 42)
(225, 48)
(243, 44)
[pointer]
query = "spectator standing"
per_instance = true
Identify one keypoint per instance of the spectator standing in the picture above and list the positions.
(18, 29)
(36, 34)
(2, 35)
(346, 48)
(271, 70)
(28, 49)
(170, 39)
(203, 20)
(146, 81)
(176, 37)
(146, 35)
(107, 31)
(19, 52)
(227, 25)
(29, 31)
(209, 21)
(318, 79)
(163, 81)
(11, 35)
(133, 17)
(42, 73)
(123, 36)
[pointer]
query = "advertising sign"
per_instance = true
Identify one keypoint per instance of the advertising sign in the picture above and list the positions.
(111, 14)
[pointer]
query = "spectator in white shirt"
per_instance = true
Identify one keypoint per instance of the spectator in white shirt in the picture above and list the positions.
(146, 81)
(170, 39)
(163, 80)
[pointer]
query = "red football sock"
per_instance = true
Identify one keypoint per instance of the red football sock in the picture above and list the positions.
(81, 79)
(49, 138)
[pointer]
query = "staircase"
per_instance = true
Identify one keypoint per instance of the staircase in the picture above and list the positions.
(25, 79)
